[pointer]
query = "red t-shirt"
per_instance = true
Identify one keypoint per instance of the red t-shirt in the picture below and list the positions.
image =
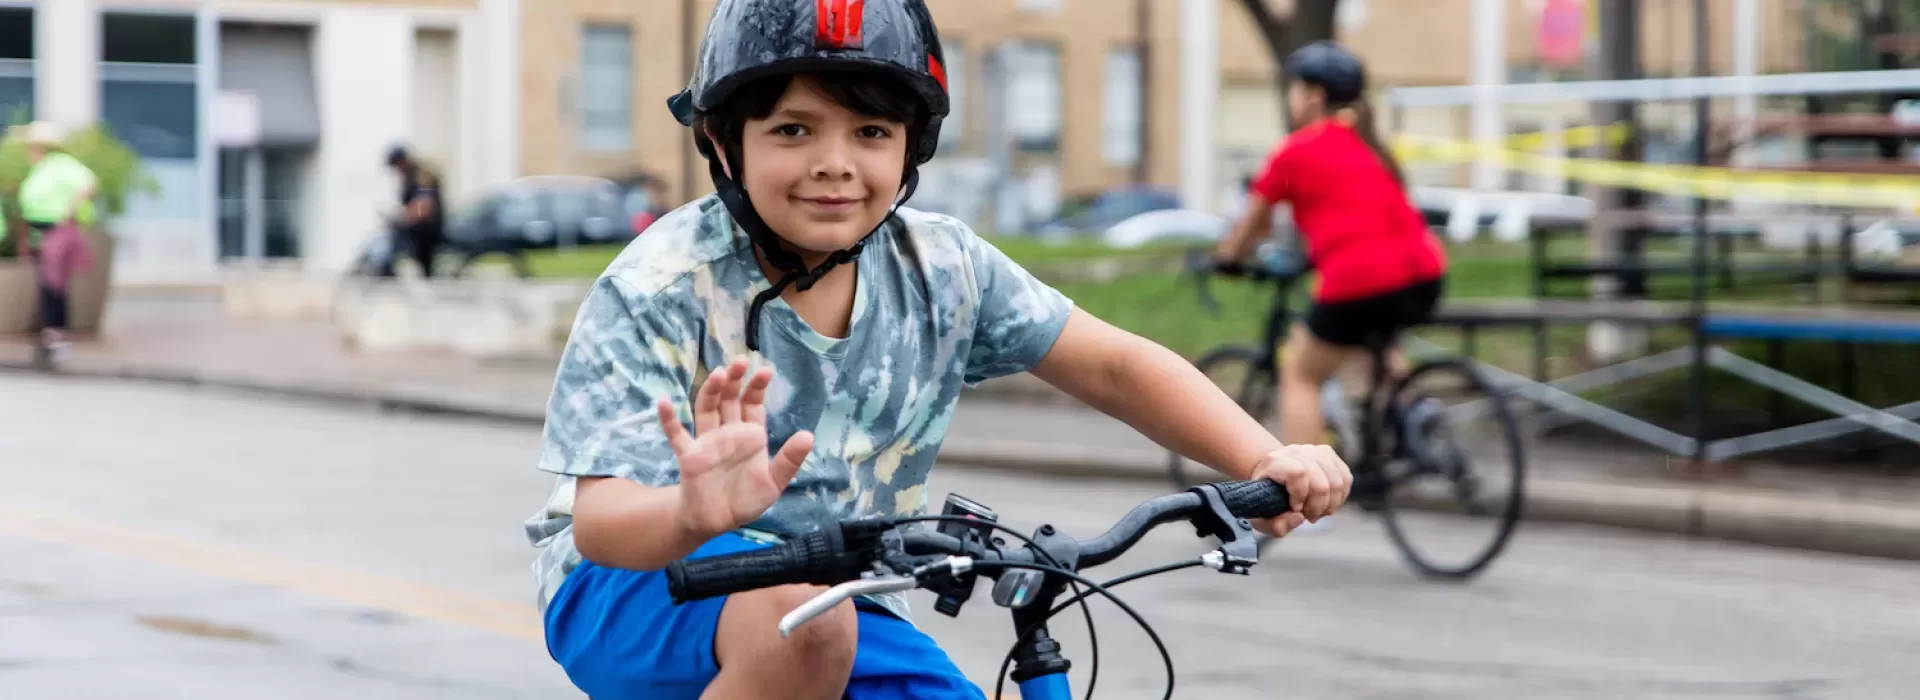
(1361, 233)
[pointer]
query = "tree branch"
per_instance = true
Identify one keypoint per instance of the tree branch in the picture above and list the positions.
(1312, 20)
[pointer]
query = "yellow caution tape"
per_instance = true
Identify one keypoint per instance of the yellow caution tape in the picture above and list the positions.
(1576, 137)
(1832, 189)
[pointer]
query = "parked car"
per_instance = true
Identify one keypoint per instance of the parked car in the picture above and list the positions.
(1109, 208)
(531, 213)
(642, 196)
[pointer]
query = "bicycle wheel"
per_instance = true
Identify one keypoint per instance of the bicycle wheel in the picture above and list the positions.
(1250, 382)
(1436, 489)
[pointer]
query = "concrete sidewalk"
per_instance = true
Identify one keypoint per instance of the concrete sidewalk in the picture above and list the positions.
(1005, 426)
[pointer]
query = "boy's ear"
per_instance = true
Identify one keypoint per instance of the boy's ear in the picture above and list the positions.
(719, 151)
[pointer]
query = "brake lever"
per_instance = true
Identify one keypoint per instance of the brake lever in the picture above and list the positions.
(889, 583)
(1239, 544)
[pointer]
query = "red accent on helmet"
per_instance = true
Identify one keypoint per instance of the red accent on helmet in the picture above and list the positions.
(837, 23)
(938, 71)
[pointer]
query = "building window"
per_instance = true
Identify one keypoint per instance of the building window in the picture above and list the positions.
(1120, 137)
(953, 130)
(1033, 95)
(606, 87)
(16, 64)
(150, 97)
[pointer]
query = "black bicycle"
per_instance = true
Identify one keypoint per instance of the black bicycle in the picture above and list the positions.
(1399, 437)
(886, 555)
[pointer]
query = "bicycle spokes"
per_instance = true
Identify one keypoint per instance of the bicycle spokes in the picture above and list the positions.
(1457, 471)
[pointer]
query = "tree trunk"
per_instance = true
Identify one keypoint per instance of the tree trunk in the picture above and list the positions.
(1312, 20)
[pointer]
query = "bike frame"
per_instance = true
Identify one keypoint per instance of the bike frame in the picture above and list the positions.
(1375, 412)
(1038, 667)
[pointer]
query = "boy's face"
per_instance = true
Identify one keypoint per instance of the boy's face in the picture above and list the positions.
(819, 174)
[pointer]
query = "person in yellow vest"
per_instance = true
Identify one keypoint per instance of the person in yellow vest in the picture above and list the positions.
(56, 199)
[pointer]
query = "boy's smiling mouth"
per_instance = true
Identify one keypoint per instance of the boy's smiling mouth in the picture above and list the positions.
(829, 205)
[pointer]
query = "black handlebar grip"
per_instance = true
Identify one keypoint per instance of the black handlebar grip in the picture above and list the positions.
(815, 558)
(1258, 498)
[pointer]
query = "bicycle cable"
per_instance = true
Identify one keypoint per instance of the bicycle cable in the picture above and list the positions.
(1093, 638)
(1166, 659)
(1080, 598)
(1135, 576)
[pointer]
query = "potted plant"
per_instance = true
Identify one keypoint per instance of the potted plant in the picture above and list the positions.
(120, 173)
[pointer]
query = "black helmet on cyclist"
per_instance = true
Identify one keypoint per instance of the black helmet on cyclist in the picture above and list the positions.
(1332, 68)
(748, 40)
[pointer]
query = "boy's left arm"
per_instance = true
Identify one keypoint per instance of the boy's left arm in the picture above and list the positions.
(1163, 396)
(1156, 392)
(1022, 325)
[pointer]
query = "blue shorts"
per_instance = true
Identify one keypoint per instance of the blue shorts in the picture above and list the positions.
(618, 635)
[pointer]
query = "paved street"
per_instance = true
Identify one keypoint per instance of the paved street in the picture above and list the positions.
(193, 544)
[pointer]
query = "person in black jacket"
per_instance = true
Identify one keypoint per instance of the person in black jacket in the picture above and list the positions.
(421, 226)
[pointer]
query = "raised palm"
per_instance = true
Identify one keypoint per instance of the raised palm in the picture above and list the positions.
(726, 478)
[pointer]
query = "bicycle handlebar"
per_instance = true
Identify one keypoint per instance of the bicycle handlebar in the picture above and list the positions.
(836, 555)
(1203, 266)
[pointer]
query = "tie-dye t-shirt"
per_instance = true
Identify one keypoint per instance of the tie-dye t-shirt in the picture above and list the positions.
(935, 307)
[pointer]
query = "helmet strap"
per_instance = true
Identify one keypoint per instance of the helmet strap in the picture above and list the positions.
(799, 276)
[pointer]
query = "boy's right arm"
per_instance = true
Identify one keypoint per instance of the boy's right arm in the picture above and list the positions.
(622, 524)
(603, 427)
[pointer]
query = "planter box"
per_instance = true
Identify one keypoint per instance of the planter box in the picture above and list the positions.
(485, 319)
(277, 289)
(86, 305)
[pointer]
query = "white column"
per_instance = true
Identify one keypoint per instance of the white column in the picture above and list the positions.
(1555, 146)
(1199, 91)
(1489, 63)
(1746, 64)
(471, 113)
(363, 77)
(500, 22)
(67, 43)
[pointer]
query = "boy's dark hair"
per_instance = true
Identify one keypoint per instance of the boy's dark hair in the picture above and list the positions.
(870, 95)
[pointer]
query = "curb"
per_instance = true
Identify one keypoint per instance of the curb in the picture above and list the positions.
(1730, 514)
(1722, 513)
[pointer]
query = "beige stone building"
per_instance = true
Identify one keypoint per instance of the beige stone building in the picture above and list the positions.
(1086, 48)
(1081, 46)
(264, 121)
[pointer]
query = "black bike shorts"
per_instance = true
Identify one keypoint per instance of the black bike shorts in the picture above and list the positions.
(1352, 322)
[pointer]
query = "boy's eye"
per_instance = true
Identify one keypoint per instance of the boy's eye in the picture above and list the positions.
(790, 130)
(874, 132)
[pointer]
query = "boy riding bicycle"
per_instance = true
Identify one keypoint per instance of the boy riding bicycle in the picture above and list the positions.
(835, 330)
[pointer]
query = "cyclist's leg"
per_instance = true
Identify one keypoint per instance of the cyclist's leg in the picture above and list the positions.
(618, 635)
(1311, 359)
(756, 662)
(897, 661)
(1413, 306)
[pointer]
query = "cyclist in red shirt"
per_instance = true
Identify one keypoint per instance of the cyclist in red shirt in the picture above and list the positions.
(1379, 267)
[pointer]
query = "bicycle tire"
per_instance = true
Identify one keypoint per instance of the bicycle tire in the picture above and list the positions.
(1475, 383)
(1256, 395)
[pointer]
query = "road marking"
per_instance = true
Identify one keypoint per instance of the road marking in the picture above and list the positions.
(410, 598)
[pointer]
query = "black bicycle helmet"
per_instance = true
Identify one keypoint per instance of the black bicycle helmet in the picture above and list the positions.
(748, 40)
(1331, 67)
